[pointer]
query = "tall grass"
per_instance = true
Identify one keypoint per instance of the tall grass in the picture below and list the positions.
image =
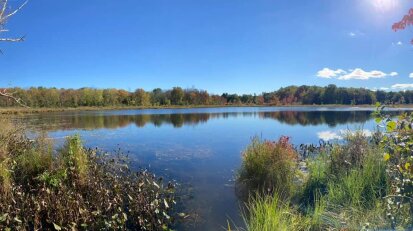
(9, 137)
(360, 187)
(268, 213)
(344, 188)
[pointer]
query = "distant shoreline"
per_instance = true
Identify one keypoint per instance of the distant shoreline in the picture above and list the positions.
(20, 110)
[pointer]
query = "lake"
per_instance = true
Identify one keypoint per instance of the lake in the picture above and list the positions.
(200, 148)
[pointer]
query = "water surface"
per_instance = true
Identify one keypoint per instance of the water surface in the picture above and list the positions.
(201, 148)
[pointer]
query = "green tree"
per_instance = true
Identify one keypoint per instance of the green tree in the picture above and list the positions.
(142, 98)
(177, 95)
(330, 94)
(110, 97)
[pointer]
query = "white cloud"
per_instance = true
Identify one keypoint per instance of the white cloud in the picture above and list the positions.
(328, 135)
(352, 34)
(344, 132)
(357, 73)
(399, 43)
(328, 73)
(384, 88)
(411, 75)
(402, 86)
(338, 135)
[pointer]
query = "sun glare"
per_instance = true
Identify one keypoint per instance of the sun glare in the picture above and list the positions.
(385, 5)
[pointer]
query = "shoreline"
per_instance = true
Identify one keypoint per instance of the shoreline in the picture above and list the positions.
(19, 110)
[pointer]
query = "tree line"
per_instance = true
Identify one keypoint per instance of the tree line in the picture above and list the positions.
(177, 96)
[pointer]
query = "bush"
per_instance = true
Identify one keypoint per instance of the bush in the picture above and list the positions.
(398, 144)
(351, 153)
(269, 167)
(76, 189)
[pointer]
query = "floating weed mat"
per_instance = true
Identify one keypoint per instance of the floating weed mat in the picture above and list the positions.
(77, 189)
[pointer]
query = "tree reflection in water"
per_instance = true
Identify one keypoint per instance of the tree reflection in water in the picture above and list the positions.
(55, 121)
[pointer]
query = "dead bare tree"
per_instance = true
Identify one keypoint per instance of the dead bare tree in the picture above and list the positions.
(5, 15)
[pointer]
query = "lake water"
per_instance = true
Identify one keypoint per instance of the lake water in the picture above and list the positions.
(200, 148)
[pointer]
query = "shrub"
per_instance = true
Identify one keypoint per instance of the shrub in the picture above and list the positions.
(269, 166)
(74, 157)
(398, 144)
(77, 189)
(350, 154)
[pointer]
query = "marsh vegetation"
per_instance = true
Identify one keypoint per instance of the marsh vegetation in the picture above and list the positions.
(75, 188)
(361, 183)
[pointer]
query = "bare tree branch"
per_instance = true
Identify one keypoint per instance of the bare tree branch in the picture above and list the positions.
(3, 9)
(4, 16)
(4, 93)
(12, 39)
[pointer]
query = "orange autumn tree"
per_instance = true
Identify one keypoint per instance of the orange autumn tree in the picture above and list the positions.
(406, 21)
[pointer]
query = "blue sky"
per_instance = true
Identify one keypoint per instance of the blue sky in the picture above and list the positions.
(234, 46)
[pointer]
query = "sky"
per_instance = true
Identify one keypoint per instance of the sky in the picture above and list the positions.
(234, 46)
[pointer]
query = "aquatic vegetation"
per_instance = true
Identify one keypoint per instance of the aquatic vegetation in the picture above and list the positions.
(345, 186)
(76, 188)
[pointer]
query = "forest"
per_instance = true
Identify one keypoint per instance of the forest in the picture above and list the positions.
(41, 97)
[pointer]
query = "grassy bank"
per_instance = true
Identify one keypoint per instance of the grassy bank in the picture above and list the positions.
(342, 186)
(75, 188)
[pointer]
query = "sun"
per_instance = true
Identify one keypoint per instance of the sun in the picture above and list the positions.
(384, 5)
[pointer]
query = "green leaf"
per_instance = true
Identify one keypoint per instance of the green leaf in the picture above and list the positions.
(391, 125)
(386, 156)
(378, 120)
(407, 166)
(56, 227)
(378, 104)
